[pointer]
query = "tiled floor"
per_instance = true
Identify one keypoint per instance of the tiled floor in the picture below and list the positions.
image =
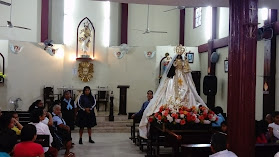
(107, 145)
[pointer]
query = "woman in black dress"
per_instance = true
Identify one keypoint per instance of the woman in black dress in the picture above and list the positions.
(86, 116)
(68, 109)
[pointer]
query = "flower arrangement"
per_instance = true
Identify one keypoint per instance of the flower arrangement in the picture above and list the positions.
(181, 115)
(2, 75)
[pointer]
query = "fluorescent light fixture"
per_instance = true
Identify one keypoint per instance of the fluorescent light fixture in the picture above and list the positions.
(106, 33)
(208, 22)
(264, 13)
(69, 7)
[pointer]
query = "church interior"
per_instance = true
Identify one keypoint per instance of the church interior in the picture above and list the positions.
(121, 48)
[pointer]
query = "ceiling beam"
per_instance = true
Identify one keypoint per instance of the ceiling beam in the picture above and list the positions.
(188, 3)
(217, 43)
(271, 4)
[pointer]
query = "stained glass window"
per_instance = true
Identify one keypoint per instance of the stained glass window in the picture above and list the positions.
(197, 17)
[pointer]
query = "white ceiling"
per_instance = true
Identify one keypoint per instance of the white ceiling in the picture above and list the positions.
(272, 4)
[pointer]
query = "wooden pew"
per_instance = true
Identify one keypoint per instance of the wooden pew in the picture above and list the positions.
(266, 150)
(186, 139)
(43, 140)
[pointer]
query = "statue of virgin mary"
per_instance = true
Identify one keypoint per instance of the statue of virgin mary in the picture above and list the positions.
(176, 86)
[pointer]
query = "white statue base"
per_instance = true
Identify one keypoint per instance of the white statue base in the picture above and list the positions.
(85, 56)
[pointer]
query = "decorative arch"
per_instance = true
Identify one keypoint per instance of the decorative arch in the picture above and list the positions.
(82, 38)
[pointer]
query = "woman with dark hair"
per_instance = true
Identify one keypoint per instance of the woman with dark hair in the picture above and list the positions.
(17, 127)
(37, 116)
(86, 116)
(27, 147)
(8, 137)
(68, 109)
(35, 105)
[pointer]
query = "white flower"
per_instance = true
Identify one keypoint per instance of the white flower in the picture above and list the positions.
(206, 122)
(197, 120)
(213, 118)
(163, 112)
(182, 115)
(169, 118)
(177, 120)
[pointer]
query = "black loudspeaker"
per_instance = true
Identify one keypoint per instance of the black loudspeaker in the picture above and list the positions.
(210, 85)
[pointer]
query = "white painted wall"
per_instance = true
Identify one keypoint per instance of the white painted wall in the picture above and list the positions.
(222, 22)
(222, 79)
(56, 21)
(197, 36)
(115, 27)
(134, 70)
(28, 72)
(158, 21)
(25, 13)
(259, 79)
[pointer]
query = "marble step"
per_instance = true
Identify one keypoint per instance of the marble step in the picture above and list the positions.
(112, 129)
(106, 130)
(115, 124)
(116, 118)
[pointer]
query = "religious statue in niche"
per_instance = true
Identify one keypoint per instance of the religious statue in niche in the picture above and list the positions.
(85, 39)
(85, 71)
(149, 54)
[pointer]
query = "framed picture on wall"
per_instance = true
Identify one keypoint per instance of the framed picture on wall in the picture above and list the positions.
(226, 65)
(190, 57)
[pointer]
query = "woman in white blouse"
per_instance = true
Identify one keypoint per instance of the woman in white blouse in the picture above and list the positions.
(36, 118)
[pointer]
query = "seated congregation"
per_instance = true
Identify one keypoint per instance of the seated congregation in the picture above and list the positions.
(198, 141)
(47, 132)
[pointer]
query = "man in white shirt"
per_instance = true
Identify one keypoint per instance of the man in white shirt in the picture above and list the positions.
(219, 146)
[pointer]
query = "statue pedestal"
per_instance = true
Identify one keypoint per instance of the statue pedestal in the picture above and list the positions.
(122, 99)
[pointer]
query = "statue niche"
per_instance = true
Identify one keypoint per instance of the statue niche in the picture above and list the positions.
(85, 40)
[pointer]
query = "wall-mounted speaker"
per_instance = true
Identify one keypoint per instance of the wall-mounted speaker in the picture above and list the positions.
(214, 57)
(210, 85)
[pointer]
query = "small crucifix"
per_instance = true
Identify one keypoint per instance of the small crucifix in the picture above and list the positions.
(251, 12)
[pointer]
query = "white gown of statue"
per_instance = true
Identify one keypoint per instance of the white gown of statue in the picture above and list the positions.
(180, 89)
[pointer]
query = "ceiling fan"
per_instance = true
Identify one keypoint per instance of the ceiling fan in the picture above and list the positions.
(9, 23)
(177, 7)
(5, 3)
(147, 29)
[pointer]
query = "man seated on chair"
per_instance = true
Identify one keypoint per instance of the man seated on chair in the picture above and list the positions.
(63, 130)
(219, 146)
(138, 115)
